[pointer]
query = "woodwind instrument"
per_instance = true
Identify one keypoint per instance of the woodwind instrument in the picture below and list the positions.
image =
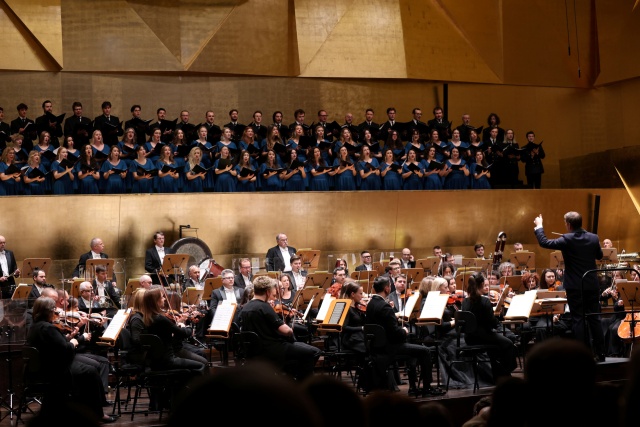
(497, 254)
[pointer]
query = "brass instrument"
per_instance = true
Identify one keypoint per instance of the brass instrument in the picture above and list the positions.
(630, 257)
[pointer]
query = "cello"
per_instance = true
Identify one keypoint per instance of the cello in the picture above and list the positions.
(629, 329)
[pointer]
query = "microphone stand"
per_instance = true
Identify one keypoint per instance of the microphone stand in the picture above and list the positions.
(8, 405)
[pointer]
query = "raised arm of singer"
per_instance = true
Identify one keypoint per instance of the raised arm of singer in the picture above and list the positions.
(580, 250)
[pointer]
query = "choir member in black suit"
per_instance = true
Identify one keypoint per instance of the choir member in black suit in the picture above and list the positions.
(140, 126)
(77, 126)
(236, 127)
(24, 126)
(493, 121)
(369, 124)
(299, 115)
(278, 123)
(465, 128)
(532, 158)
(109, 125)
(5, 130)
(416, 124)
(154, 256)
(97, 246)
(348, 124)
(259, 130)
(441, 124)
(49, 122)
(213, 131)
(8, 270)
(390, 124)
(166, 126)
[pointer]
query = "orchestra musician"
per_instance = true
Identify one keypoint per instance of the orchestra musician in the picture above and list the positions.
(381, 313)
(154, 256)
(352, 337)
(96, 252)
(503, 358)
(61, 372)
(296, 358)
(39, 284)
(279, 257)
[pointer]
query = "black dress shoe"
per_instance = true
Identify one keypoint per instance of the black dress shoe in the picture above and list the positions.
(432, 392)
(414, 392)
(108, 419)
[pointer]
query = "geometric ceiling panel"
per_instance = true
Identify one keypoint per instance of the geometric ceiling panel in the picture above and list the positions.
(618, 35)
(252, 38)
(110, 35)
(42, 19)
(22, 50)
(161, 17)
(436, 49)
(363, 39)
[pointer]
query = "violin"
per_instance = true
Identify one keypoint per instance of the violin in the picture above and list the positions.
(286, 310)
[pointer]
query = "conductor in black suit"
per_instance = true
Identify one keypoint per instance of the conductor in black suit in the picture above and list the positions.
(279, 257)
(8, 270)
(97, 246)
(580, 250)
(154, 257)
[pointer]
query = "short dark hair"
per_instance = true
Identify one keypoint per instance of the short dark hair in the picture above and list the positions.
(530, 133)
(294, 258)
(101, 268)
(478, 246)
(298, 112)
(365, 252)
(574, 219)
(22, 106)
(46, 101)
(369, 109)
(232, 110)
(157, 234)
(161, 109)
(35, 272)
(379, 283)
(255, 112)
(134, 106)
(76, 104)
(105, 104)
(390, 109)
(435, 109)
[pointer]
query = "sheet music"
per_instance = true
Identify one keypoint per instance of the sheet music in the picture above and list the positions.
(434, 306)
(521, 305)
(324, 308)
(116, 325)
(306, 311)
(223, 317)
(410, 305)
(334, 319)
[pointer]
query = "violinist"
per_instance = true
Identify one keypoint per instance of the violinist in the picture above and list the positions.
(62, 372)
(181, 346)
(398, 298)
(298, 359)
(227, 293)
(135, 326)
(614, 347)
(105, 292)
(352, 337)
(283, 305)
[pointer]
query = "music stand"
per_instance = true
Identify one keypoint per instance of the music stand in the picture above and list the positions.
(429, 264)
(175, 264)
(310, 258)
(483, 264)
(524, 260)
(609, 256)
(131, 286)
(514, 282)
(192, 296)
(365, 277)
(556, 260)
(308, 294)
(209, 285)
(321, 280)
(379, 266)
(21, 292)
(414, 276)
(75, 288)
(468, 262)
(90, 267)
(30, 264)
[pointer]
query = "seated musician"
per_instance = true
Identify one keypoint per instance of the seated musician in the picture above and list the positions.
(105, 292)
(182, 347)
(381, 313)
(352, 336)
(296, 358)
(503, 359)
(227, 293)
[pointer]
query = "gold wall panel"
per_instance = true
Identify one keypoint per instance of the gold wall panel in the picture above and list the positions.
(367, 40)
(163, 19)
(618, 33)
(43, 19)
(255, 38)
(103, 45)
(235, 225)
(436, 49)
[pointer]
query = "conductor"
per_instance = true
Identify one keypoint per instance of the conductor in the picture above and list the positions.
(580, 250)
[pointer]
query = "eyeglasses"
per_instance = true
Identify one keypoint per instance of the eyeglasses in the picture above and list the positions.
(366, 256)
(228, 278)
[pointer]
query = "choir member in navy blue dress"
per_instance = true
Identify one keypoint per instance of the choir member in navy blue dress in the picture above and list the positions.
(294, 143)
(225, 141)
(246, 184)
(344, 176)
(269, 143)
(295, 178)
(128, 146)
(194, 182)
(114, 182)
(346, 140)
(391, 179)
(207, 150)
(455, 173)
(21, 155)
(177, 144)
(324, 145)
(34, 185)
(319, 180)
(416, 143)
(248, 139)
(465, 152)
(141, 182)
(368, 170)
(412, 178)
(63, 177)
(72, 152)
(479, 179)
(44, 144)
(432, 178)
(443, 150)
(10, 184)
(225, 176)
(475, 144)
(367, 139)
(394, 142)
(271, 178)
(100, 149)
(154, 141)
(87, 172)
(167, 182)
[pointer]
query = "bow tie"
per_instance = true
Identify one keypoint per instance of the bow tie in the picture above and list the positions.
(2, 252)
